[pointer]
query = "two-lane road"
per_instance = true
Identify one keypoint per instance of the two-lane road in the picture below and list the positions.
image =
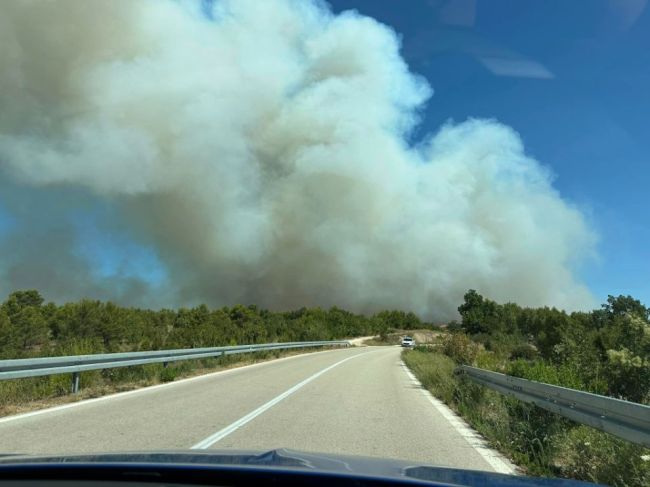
(358, 401)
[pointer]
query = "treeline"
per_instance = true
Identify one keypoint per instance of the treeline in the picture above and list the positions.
(30, 328)
(605, 351)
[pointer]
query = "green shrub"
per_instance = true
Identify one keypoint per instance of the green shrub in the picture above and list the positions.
(490, 361)
(563, 375)
(524, 351)
(588, 454)
(628, 375)
(460, 348)
(168, 374)
(504, 344)
(540, 441)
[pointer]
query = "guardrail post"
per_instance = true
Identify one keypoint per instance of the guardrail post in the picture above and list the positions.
(75, 382)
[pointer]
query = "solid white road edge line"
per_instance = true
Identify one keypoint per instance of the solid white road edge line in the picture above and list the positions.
(117, 395)
(219, 435)
(494, 458)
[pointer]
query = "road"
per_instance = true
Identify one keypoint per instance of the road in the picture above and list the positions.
(358, 401)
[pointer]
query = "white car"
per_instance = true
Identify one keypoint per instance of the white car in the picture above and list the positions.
(408, 342)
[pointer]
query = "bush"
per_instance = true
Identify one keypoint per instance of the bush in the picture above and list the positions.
(563, 375)
(585, 453)
(524, 351)
(628, 375)
(490, 361)
(538, 440)
(460, 348)
(168, 374)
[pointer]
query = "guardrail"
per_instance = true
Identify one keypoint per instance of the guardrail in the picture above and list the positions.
(627, 420)
(75, 364)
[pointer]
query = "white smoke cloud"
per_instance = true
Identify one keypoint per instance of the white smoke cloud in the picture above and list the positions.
(263, 154)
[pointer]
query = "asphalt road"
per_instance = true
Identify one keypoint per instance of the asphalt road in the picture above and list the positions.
(358, 401)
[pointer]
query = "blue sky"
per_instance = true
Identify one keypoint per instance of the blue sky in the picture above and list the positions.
(573, 78)
(112, 253)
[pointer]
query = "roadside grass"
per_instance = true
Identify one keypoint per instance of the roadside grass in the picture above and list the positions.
(542, 443)
(33, 393)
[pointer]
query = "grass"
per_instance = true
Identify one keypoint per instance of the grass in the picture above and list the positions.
(29, 394)
(542, 443)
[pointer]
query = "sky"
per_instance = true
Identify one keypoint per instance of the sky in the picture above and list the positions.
(578, 93)
(571, 79)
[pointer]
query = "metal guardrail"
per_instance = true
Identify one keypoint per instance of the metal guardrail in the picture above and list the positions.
(75, 364)
(627, 420)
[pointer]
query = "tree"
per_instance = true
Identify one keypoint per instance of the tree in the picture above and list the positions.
(625, 305)
(479, 315)
(29, 327)
(22, 299)
(6, 338)
(399, 320)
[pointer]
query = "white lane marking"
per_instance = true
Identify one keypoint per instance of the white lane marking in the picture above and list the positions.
(118, 395)
(494, 458)
(219, 435)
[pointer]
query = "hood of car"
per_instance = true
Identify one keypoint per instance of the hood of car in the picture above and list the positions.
(285, 459)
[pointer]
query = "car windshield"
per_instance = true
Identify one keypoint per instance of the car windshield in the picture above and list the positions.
(218, 217)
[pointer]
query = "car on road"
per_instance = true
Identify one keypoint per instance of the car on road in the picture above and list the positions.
(408, 342)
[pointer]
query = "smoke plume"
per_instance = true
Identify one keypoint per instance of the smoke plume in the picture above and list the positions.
(261, 151)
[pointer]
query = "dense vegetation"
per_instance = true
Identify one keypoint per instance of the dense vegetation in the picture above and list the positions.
(31, 328)
(606, 351)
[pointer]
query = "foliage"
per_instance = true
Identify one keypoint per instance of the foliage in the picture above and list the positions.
(540, 441)
(460, 348)
(30, 328)
(606, 351)
(563, 375)
(589, 454)
(398, 320)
